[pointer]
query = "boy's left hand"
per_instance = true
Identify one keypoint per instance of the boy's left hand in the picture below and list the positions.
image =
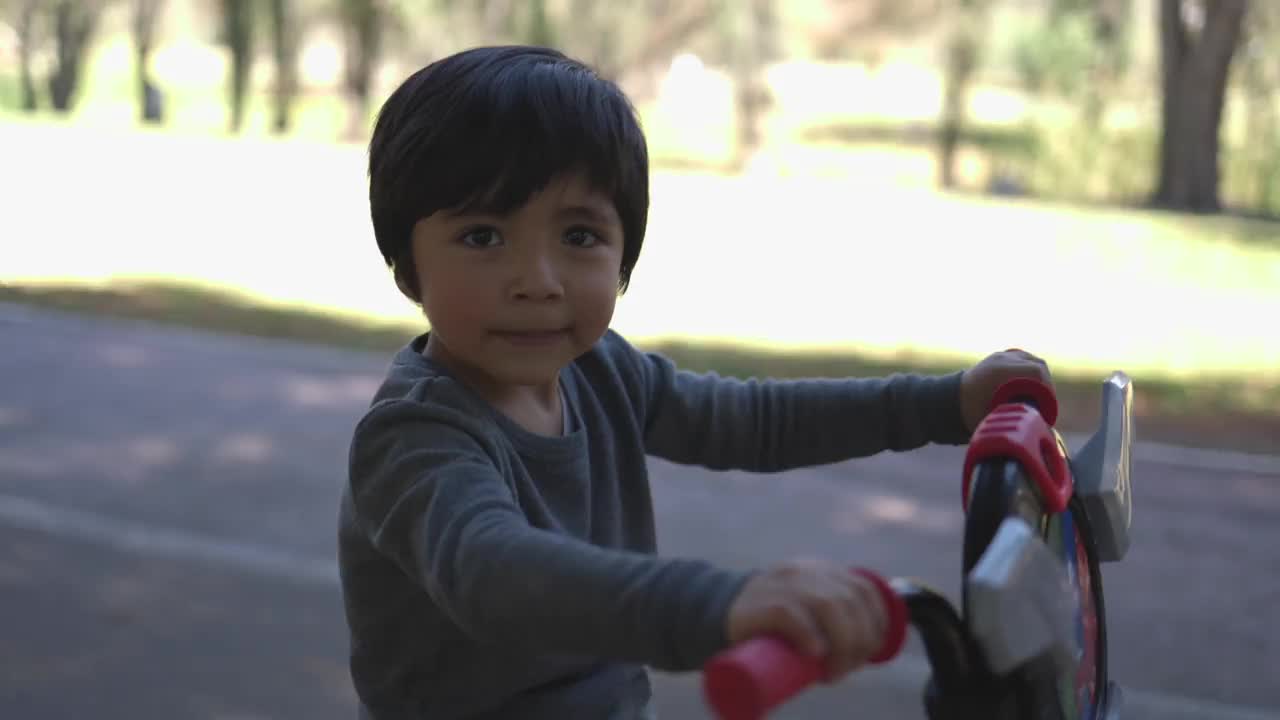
(978, 384)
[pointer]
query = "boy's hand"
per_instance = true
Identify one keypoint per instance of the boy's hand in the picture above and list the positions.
(819, 608)
(978, 384)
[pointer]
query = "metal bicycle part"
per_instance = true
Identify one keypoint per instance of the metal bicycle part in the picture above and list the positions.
(1103, 470)
(1021, 603)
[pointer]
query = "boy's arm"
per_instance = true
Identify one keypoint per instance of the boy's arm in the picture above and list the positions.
(772, 425)
(430, 498)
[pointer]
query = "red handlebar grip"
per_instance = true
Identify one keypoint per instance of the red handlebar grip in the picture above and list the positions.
(895, 608)
(752, 678)
(1038, 392)
(749, 680)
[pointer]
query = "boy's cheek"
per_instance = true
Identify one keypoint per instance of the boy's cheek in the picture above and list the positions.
(452, 309)
(591, 328)
(596, 310)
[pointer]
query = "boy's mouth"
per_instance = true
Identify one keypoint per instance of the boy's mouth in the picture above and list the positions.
(532, 337)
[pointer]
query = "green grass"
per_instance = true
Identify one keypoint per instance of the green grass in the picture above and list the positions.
(215, 310)
(1073, 163)
(1211, 412)
(827, 249)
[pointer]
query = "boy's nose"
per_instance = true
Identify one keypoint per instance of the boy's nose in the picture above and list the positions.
(538, 279)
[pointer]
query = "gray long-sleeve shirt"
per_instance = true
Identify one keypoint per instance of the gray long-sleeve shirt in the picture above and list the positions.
(491, 572)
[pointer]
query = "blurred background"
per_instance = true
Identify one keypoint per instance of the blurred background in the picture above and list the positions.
(195, 313)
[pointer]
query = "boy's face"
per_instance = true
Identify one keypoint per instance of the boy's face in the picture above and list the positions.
(512, 300)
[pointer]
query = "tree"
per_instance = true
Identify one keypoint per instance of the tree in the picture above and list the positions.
(285, 35)
(237, 28)
(615, 38)
(868, 28)
(1112, 36)
(665, 28)
(1259, 76)
(756, 45)
(73, 24)
(145, 15)
(626, 42)
(25, 28)
(538, 26)
(363, 28)
(1080, 54)
(1197, 43)
(963, 53)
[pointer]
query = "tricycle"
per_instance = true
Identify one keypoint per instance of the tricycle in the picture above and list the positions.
(1029, 641)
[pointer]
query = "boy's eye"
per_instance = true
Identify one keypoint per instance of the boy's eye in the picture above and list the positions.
(582, 237)
(484, 237)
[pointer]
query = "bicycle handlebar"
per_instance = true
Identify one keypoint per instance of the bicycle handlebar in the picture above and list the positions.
(1030, 391)
(1018, 578)
(753, 677)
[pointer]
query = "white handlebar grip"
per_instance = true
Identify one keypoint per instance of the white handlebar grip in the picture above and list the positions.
(1021, 602)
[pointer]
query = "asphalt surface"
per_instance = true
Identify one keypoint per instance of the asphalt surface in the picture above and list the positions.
(167, 507)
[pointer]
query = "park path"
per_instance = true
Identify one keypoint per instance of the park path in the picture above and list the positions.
(167, 506)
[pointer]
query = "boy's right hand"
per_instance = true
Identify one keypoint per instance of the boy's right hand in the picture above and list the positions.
(819, 608)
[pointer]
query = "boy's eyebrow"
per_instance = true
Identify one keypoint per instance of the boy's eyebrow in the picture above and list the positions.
(593, 212)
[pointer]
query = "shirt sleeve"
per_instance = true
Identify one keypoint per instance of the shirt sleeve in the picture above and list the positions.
(433, 500)
(772, 425)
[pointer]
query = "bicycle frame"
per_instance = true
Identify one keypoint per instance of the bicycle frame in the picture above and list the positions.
(1030, 640)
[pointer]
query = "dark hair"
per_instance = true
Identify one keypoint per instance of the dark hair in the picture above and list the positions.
(486, 128)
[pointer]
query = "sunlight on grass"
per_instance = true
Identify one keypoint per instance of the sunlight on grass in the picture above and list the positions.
(845, 267)
(798, 262)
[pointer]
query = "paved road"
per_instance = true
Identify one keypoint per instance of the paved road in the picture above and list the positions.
(167, 501)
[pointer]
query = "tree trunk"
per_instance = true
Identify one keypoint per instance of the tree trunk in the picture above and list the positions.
(73, 25)
(26, 45)
(145, 14)
(674, 26)
(962, 61)
(284, 41)
(618, 49)
(238, 16)
(1194, 74)
(363, 25)
(752, 96)
(540, 32)
(960, 66)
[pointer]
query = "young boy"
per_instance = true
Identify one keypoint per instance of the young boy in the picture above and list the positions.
(496, 538)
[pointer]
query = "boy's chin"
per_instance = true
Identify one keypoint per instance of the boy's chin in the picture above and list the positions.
(536, 370)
